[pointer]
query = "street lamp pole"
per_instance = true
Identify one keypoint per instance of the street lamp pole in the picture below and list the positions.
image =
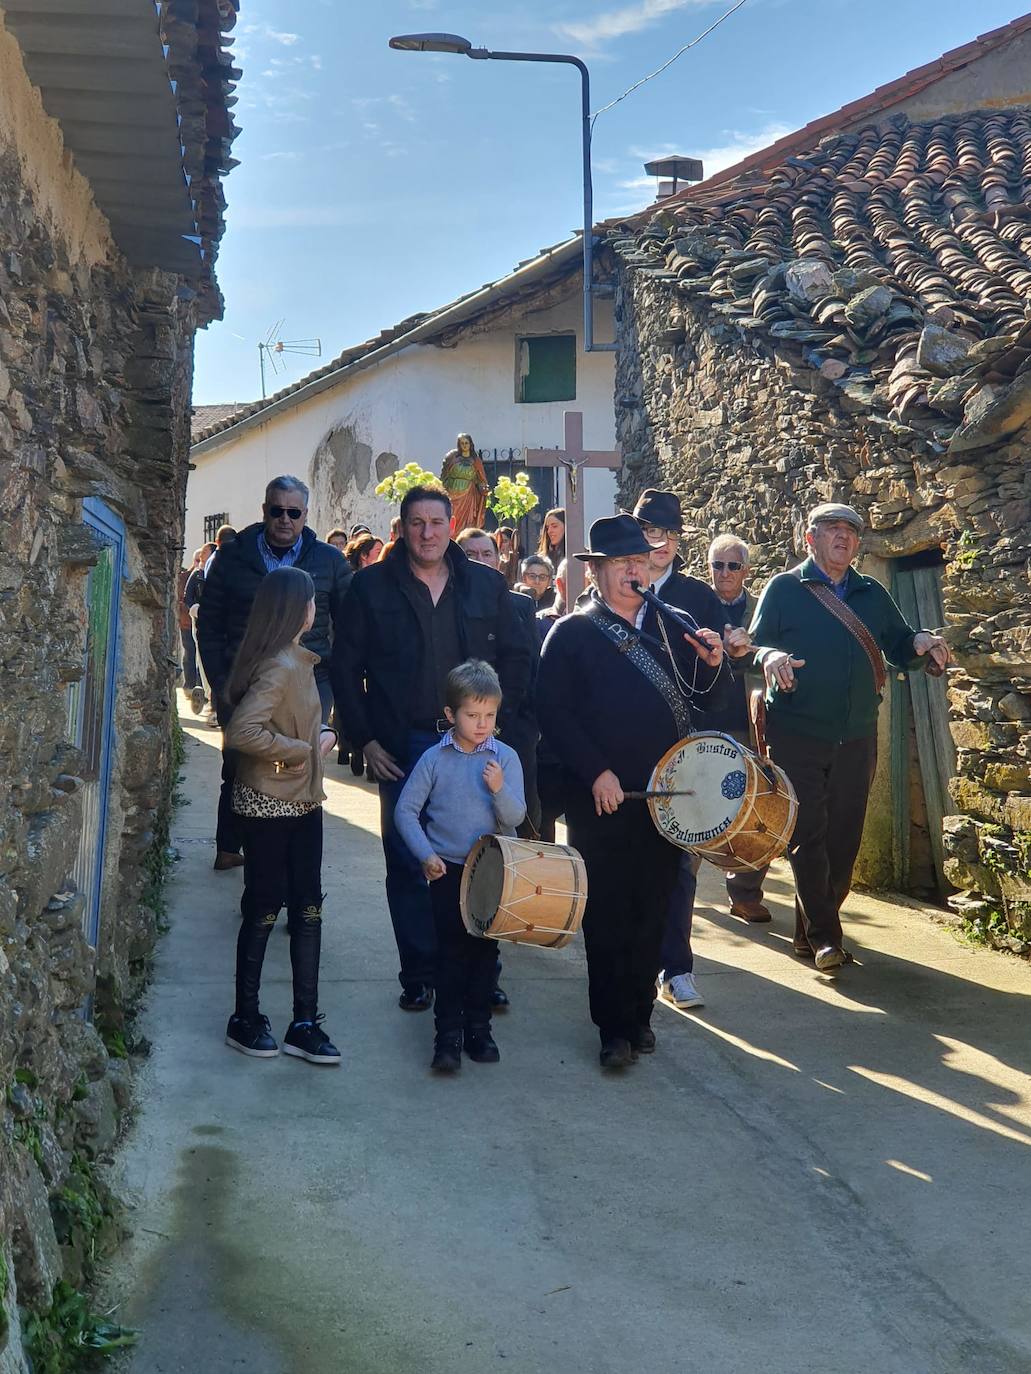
(454, 43)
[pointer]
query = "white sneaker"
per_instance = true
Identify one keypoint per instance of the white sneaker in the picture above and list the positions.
(682, 991)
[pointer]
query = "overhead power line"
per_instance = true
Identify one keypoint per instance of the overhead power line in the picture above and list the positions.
(666, 65)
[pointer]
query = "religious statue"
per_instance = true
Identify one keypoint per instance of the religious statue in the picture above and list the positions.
(466, 482)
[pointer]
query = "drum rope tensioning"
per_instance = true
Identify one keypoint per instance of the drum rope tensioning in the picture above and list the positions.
(503, 874)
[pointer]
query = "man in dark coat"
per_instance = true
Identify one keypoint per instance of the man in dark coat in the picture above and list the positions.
(408, 620)
(660, 517)
(609, 707)
(280, 540)
(822, 632)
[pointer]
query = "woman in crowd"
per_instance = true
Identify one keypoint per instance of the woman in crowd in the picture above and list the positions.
(508, 554)
(363, 550)
(553, 536)
(276, 728)
(338, 538)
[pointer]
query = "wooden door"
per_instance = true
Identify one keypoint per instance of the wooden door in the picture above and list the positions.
(920, 705)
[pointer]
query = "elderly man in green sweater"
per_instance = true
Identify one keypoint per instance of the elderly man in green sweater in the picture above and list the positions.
(822, 632)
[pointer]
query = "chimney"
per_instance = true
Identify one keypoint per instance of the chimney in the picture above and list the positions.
(674, 174)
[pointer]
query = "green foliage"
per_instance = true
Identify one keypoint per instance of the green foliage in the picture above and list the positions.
(70, 1334)
(511, 501)
(114, 1041)
(983, 930)
(394, 487)
(77, 1207)
(968, 550)
(26, 1076)
(26, 1134)
(4, 1323)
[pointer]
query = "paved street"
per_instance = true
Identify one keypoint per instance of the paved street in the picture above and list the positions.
(807, 1175)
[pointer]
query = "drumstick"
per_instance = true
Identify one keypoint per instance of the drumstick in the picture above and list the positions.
(645, 796)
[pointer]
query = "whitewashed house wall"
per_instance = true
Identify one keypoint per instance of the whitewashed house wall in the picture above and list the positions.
(409, 407)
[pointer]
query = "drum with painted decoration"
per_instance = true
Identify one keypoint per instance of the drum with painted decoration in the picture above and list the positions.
(740, 810)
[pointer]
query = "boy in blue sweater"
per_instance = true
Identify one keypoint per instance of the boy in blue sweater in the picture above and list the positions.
(468, 785)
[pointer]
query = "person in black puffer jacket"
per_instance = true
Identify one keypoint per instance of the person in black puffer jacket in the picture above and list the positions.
(280, 540)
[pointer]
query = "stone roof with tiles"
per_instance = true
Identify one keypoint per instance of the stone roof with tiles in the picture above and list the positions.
(895, 258)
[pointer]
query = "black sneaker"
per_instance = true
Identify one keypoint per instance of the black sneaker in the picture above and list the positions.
(481, 1047)
(499, 999)
(307, 1040)
(644, 1041)
(253, 1037)
(416, 998)
(447, 1052)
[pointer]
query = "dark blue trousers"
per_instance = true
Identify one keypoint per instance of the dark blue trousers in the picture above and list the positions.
(408, 893)
(676, 940)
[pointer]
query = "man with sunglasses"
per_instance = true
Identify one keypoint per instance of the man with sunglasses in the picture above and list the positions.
(729, 571)
(280, 539)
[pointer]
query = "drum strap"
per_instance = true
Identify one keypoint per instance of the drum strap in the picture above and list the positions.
(628, 642)
(855, 627)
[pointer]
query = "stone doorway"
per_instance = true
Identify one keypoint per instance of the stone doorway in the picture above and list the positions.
(923, 756)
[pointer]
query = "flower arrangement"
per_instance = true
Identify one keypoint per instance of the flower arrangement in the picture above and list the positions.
(395, 487)
(511, 501)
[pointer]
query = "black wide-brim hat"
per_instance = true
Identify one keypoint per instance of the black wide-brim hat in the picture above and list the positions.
(659, 508)
(615, 536)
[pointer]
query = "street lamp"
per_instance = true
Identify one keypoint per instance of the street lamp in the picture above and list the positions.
(455, 43)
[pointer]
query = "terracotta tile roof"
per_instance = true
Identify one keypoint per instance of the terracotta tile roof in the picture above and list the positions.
(204, 417)
(877, 102)
(896, 258)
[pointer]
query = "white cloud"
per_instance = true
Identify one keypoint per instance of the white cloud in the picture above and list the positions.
(629, 19)
(739, 145)
(287, 39)
(280, 157)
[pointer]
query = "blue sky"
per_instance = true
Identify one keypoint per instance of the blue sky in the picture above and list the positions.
(374, 184)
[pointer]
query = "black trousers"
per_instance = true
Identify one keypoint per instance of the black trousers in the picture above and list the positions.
(631, 872)
(465, 965)
(282, 867)
(833, 785)
(191, 677)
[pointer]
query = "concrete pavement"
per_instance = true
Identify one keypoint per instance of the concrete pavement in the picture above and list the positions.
(807, 1176)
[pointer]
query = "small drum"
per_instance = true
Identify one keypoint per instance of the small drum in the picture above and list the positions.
(529, 893)
(741, 811)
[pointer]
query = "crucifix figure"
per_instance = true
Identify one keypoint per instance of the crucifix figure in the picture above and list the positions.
(573, 457)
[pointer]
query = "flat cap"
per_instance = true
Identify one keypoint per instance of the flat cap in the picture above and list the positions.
(834, 510)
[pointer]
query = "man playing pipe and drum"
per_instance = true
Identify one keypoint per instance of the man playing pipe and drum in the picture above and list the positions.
(822, 633)
(611, 702)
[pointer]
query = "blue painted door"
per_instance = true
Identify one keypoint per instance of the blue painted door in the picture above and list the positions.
(91, 704)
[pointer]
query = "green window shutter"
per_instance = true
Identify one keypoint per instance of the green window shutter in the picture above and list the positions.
(547, 368)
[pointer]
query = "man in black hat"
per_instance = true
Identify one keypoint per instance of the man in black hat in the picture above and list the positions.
(823, 632)
(661, 519)
(609, 706)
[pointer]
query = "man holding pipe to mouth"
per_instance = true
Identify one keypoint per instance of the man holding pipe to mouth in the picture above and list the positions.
(822, 633)
(610, 704)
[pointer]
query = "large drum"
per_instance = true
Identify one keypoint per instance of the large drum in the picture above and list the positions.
(529, 893)
(740, 812)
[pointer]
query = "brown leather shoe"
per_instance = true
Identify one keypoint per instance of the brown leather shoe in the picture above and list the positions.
(226, 859)
(829, 958)
(755, 913)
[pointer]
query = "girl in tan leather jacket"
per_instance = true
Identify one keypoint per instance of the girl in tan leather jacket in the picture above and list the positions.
(276, 729)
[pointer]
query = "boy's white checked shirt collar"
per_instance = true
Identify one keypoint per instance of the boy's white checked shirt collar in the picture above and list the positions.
(487, 747)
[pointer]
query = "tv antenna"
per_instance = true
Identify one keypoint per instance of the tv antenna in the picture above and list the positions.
(272, 347)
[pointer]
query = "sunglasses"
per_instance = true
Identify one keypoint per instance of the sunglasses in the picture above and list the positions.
(730, 567)
(277, 512)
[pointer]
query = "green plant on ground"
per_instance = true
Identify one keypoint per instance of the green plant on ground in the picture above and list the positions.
(981, 930)
(69, 1334)
(512, 501)
(394, 487)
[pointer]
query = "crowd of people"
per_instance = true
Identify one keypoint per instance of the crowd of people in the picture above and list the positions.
(480, 702)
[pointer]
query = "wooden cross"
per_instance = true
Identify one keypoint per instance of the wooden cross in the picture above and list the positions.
(573, 457)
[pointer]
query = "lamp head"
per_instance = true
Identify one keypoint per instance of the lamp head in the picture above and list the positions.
(431, 42)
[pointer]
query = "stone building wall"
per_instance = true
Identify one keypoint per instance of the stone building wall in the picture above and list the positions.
(752, 435)
(95, 373)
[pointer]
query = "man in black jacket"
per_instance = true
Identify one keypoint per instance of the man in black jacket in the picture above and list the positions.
(610, 705)
(279, 540)
(407, 622)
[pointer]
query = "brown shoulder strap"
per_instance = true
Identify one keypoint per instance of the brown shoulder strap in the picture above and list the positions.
(855, 627)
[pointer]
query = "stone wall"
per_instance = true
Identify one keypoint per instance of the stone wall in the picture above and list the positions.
(95, 365)
(751, 436)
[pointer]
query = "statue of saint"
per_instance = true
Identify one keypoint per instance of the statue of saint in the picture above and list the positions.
(466, 482)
